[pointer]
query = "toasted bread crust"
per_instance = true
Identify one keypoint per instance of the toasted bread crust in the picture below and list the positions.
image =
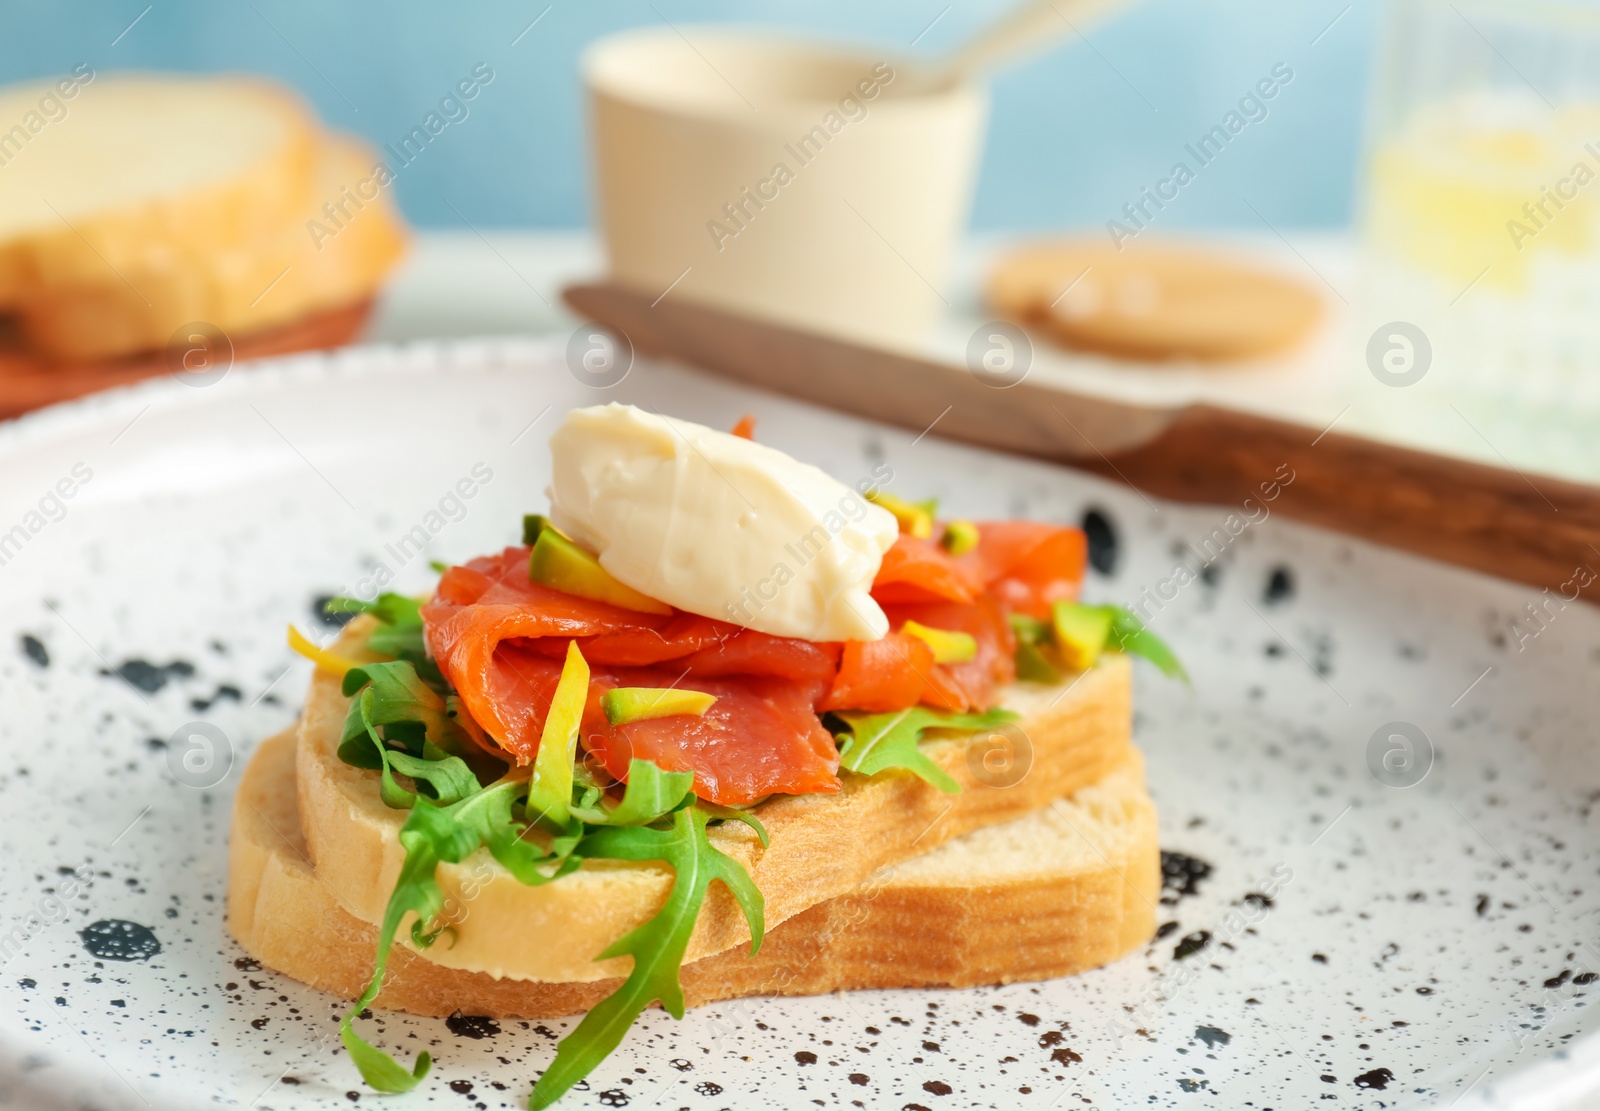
(822, 846)
(928, 926)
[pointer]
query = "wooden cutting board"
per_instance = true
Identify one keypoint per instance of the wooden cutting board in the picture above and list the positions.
(28, 382)
(1535, 530)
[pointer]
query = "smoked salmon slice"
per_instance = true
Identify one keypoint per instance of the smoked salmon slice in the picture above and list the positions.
(499, 639)
(1028, 565)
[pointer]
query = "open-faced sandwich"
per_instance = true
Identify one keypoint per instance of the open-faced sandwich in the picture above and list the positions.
(721, 725)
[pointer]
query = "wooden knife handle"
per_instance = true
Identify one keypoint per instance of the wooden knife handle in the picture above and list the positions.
(1540, 531)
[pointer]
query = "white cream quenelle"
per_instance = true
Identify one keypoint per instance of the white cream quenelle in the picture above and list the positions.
(719, 525)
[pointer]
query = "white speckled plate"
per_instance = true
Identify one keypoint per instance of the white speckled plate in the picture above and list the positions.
(1415, 943)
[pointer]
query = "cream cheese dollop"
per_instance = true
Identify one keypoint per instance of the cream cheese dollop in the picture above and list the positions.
(719, 525)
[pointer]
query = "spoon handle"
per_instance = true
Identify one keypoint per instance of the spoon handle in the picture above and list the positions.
(1026, 28)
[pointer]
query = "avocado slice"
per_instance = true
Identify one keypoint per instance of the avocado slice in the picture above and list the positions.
(1081, 632)
(960, 537)
(558, 562)
(532, 525)
(623, 705)
(949, 646)
(1032, 665)
(915, 519)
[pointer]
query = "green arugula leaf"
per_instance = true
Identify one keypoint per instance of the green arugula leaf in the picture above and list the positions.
(878, 742)
(416, 720)
(448, 776)
(651, 793)
(733, 814)
(435, 834)
(657, 947)
(1129, 634)
(374, 753)
(587, 788)
(391, 609)
(399, 633)
(400, 697)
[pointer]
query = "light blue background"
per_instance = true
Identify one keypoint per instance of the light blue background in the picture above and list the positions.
(1074, 134)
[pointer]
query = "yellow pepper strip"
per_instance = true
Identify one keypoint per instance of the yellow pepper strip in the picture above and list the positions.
(914, 519)
(628, 704)
(949, 647)
(550, 790)
(960, 537)
(328, 661)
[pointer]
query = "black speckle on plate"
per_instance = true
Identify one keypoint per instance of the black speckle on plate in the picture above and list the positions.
(472, 1026)
(937, 1087)
(1212, 1036)
(1280, 586)
(1191, 944)
(1377, 1078)
(332, 620)
(33, 648)
(1164, 929)
(224, 690)
(1102, 537)
(708, 1088)
(150, 677)
(1181, 875)
(113, 939)
(805, 1057)
(860, 1079)
(1558, 979)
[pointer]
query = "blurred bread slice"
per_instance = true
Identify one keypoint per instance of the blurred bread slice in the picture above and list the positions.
(1154, 301)
(302, 264)
(105, 174)
(1059, 891)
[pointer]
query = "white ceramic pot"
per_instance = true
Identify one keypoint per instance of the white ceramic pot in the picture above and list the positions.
(811, 184)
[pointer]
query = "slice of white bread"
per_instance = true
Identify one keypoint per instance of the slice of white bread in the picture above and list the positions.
(126, 168)
(822, 846)
(281, 274)
(1067, 888)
